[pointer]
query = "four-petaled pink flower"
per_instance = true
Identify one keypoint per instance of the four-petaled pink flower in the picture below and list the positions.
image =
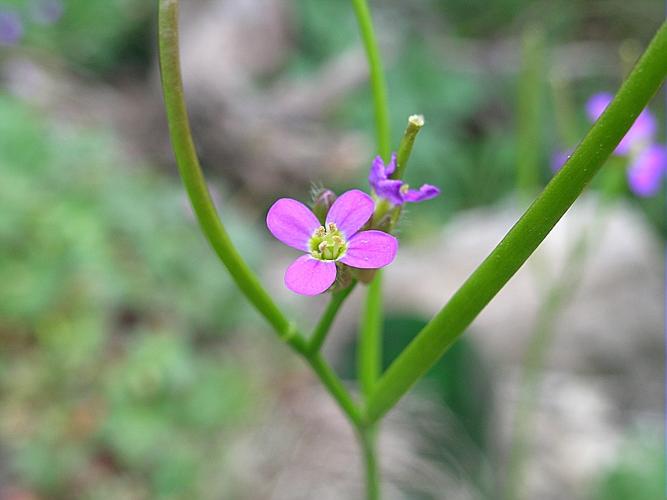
(396, 191)
(338, 241)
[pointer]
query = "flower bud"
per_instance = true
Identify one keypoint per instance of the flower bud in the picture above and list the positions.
(344, 278)
(322, 200)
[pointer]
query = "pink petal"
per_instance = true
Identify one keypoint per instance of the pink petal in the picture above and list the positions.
(292, 223)
(370, 250)
(351, 211)
(308, 276)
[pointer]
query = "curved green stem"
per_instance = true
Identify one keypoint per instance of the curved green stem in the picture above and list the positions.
(191, 173)
(188, 164)
(522, 240)
(322, 329)
(378, 84)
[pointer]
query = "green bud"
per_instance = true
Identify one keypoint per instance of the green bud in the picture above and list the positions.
(322, 200)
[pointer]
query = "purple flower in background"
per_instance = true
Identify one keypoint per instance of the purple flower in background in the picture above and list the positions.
(640, 134)
(648, 160)
(338, 240)
(646, 171)
(394, 190)
(47, 11)
(11, 28)
(559, 158)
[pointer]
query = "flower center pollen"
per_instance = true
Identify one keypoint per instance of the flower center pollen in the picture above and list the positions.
(327, 243)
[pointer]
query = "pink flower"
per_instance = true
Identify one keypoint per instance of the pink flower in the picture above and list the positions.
(337, 241)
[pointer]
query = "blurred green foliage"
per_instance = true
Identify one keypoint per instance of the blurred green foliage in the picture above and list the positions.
(638, 474)
(113, 312)
(95, 35)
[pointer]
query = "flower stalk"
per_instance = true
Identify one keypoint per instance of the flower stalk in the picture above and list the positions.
(370, 334)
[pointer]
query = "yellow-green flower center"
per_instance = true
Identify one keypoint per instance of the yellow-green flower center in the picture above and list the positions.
(327, 243)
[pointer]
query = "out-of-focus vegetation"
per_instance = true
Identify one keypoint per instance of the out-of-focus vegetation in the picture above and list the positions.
(93, 35)
(118, 376)
(113, 320)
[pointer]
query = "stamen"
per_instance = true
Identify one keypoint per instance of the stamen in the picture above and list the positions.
(327, 243)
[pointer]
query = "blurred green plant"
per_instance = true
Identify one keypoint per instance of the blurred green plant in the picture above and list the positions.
(113, 321)
(96, 35)
(639, 472)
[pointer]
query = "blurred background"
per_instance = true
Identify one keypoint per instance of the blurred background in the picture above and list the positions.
(130, 367)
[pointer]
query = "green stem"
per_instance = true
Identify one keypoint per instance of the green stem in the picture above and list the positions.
(322, 329)
(522, 240)
(368, 441)
(369, 351)
(371, 330)
(378, 85)
(191, 173)
(529, 111)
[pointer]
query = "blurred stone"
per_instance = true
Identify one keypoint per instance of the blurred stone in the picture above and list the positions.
(600, 379)
(306, 449)
(613, 320)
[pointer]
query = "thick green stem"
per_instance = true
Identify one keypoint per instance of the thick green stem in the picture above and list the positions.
(369, 350)
(322, 329)
(522, 240)
(191, 173)
(378, 84)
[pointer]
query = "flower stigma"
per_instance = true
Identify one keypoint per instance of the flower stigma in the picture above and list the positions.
(327, 243)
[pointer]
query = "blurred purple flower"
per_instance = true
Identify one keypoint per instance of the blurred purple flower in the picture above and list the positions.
(559, 158)
(640, 134)
(11, 28)
(648, 160)
(47, 11)
(646, 171)
(396, 191)
(338, 240)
